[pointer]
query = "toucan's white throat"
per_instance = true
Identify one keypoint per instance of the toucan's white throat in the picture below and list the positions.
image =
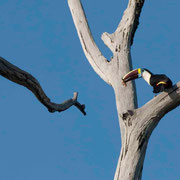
(146, 76)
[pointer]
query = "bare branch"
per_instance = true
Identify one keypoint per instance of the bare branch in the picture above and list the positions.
(25, 79)
(108, 40)
(138, 8)
(124, 34)
(160, 105)
(166, 101)
(92, 52)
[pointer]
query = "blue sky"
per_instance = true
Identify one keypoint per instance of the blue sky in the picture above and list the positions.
(39, 36)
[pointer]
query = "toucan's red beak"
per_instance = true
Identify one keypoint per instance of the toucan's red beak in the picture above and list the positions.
(134, 74)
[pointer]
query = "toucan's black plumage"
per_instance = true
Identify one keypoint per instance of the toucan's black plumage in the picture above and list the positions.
(159, 82)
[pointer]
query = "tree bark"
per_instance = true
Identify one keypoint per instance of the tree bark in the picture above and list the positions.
(15, 74)
(136, 125)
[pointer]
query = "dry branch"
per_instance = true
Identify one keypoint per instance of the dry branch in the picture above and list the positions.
(123, 37)
(164, 102)
(98, 62)
(25, 79)
(137, 12)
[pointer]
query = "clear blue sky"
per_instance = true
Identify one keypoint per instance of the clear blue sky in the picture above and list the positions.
(39, 36)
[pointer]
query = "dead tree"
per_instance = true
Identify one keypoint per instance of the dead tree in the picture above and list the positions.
(17, 75)
(136, 124)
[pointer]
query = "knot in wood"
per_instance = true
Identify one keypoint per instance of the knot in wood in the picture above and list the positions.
(127, 117)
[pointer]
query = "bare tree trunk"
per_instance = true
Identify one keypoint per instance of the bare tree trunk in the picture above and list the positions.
(136, 125)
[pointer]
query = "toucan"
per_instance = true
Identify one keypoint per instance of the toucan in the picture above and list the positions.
(159, 82)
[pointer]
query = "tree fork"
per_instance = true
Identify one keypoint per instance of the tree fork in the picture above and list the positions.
(140, 124)
(136, 124)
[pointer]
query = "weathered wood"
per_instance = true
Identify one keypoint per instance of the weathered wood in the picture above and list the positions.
(140, 123)
(111, 72)
(136, 125)
(123, 37)
(15, 74)
(92, 52)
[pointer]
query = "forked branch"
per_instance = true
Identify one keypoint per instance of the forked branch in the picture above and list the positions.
(123, 37)
(25, 79)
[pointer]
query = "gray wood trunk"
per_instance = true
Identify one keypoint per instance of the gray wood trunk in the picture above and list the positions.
(136, 124)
